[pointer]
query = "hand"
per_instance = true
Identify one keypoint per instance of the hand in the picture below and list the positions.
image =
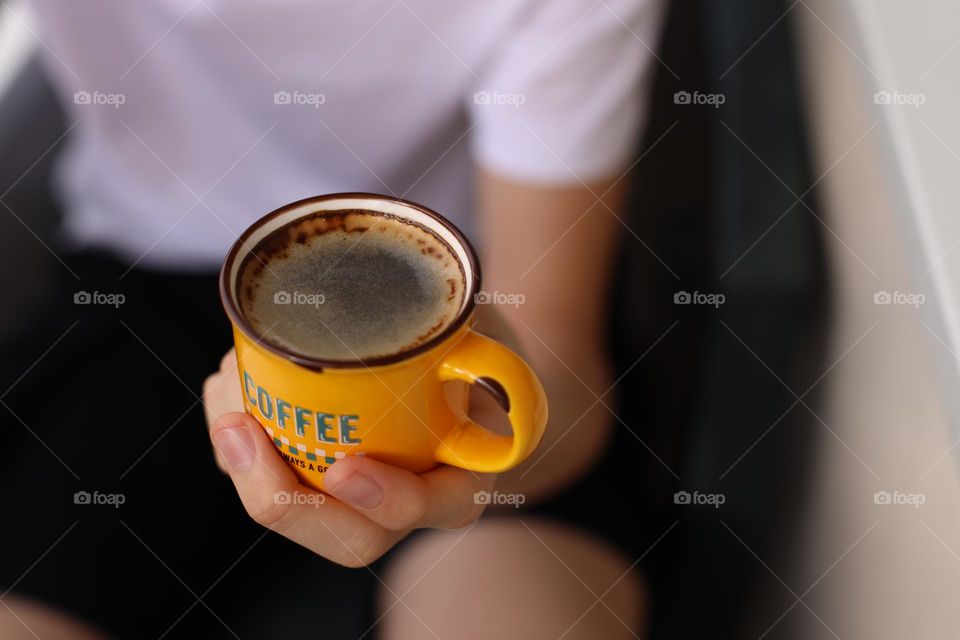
(370, 505)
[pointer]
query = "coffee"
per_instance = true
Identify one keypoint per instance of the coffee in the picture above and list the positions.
(350, 285)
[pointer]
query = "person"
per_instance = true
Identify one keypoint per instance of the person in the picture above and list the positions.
(188, 120)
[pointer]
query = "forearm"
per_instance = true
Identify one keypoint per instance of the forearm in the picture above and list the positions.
(554, 247)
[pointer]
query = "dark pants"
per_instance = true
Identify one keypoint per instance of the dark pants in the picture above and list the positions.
(113, 506)
(116, 511)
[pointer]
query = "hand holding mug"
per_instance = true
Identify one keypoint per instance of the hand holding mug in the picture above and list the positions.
(351, 314)
(368, 506)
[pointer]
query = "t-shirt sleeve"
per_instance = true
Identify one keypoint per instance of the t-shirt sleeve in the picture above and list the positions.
(563, 100)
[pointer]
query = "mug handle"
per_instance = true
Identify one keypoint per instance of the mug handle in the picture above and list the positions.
(480, 360)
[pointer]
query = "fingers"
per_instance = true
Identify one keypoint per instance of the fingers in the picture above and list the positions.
(221, 390)
(274, 498)
(399, 500)
(229, 360)
(221, 394)
(456, 496)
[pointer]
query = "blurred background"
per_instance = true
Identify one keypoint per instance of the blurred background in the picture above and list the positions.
(801, 435)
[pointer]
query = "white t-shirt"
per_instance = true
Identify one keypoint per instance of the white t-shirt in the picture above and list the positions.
(194, 118)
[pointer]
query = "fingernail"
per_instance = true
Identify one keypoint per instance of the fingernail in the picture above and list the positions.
(358, 490)
(236, 446)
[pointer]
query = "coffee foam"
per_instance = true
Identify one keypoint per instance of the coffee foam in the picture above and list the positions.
(351, 285)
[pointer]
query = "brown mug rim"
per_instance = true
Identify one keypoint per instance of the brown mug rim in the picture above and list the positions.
(231, 306)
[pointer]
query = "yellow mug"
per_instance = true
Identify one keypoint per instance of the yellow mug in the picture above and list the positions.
(396, 409)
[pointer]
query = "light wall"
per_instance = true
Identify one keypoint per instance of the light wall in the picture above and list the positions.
(871, 570)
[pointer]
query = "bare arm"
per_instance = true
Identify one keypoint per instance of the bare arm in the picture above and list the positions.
(555, 245)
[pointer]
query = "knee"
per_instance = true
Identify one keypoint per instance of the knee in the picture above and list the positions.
(28, 619)
(508, 578)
